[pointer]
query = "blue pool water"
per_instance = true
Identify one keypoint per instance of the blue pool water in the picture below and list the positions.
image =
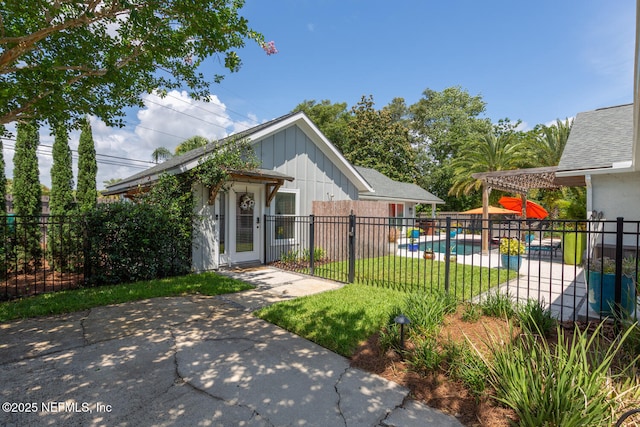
(460, 247)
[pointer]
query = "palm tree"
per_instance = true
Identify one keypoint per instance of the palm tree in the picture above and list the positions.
(490, 153)
(160, 153)
(190, 144)
(550, 143)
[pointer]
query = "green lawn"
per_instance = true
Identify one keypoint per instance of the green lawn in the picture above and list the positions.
(82, 299)
(338, 320)
(414, 274)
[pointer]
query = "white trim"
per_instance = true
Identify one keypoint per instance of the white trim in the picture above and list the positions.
(275, 241)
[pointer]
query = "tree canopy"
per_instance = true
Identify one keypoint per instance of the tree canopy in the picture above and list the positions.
(331, 119)
(62, 60)
(190, 144)
(376, 141)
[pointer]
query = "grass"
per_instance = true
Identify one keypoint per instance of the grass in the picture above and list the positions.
(338, 320)
(85, 298)
(409, 274)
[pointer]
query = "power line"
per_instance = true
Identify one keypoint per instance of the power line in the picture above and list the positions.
(47, 150)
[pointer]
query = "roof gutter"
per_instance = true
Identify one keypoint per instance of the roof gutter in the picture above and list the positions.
(616, 167)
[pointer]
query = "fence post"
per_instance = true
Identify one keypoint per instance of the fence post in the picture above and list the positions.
(617, 310)
(311, 243)
(447, 255)
(267, 255)
(86, 250)
(352, 248)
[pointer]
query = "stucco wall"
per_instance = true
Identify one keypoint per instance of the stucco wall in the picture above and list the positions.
(617, 195)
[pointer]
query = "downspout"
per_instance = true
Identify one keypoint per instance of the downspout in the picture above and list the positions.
(587, 180)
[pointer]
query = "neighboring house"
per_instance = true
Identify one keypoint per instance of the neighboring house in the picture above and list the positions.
(299, 166)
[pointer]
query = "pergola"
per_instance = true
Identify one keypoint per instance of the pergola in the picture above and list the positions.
(519, 181)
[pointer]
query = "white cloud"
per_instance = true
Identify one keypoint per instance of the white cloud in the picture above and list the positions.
(164, 122)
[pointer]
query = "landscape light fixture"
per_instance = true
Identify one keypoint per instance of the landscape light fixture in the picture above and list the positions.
(402, 320)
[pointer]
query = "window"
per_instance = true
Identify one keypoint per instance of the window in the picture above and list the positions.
(396, 213)
(285, 208)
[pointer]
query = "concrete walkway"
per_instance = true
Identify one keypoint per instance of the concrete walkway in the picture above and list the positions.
(191, 360)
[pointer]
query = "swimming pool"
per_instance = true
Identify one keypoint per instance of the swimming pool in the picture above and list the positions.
(460, 247)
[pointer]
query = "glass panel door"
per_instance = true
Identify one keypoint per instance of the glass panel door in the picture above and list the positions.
(245, 206)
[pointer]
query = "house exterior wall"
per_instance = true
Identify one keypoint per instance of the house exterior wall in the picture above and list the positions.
(292, 152)
(617, 195)
(205, 244)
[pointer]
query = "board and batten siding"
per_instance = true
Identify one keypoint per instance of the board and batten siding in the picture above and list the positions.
(318, 178)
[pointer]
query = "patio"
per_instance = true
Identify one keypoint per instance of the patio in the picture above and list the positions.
(543, 276)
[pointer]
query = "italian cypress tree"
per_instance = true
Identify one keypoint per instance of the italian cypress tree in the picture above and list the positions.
(27, 194)
(62, 241)
(3, 184)
(61, 200)
(87, 194)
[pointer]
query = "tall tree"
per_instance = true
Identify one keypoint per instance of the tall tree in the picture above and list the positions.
(331, 119)
(443, 121)
(62, 60)
(398, 110)
(550, 142)
(27, 193)
(3, 183)
(160, 153)
(63, 239)
(191, 144)
(491, 152)
(87, 194)
(375, 140)
(61, 200)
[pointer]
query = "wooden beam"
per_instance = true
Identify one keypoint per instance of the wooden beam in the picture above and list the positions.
(272, 189)
(213, 193)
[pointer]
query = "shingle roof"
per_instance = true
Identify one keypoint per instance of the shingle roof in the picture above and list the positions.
(599, 138)
(193, 155)
(386, 188)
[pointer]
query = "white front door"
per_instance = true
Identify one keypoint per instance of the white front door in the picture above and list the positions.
(245, 215)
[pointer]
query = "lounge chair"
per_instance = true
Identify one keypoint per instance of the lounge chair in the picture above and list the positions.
(544, 245)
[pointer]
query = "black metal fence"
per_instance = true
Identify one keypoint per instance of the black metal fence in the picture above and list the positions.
(577, 269)
(40, 254)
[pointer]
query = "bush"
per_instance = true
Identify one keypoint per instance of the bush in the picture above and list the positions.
(534, 318)
(497, 304)
(427, 311)
(128, 242)
(562, 385)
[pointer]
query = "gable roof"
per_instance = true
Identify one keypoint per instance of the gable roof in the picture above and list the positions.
(599, 139)
(388, 189)
(187, 161)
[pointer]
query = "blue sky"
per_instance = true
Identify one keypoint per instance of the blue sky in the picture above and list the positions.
(532, 61)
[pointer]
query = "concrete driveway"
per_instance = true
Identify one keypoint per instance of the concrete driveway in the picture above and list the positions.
(197, 361)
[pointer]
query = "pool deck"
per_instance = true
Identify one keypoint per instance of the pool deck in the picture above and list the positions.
(543, 276)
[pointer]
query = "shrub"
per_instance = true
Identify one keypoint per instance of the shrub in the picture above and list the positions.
(466, 366)
(564, 385)
(128, 242)
(497, 304)
(427, 311)
(425, 357)
(471, 313)
(534, 318)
